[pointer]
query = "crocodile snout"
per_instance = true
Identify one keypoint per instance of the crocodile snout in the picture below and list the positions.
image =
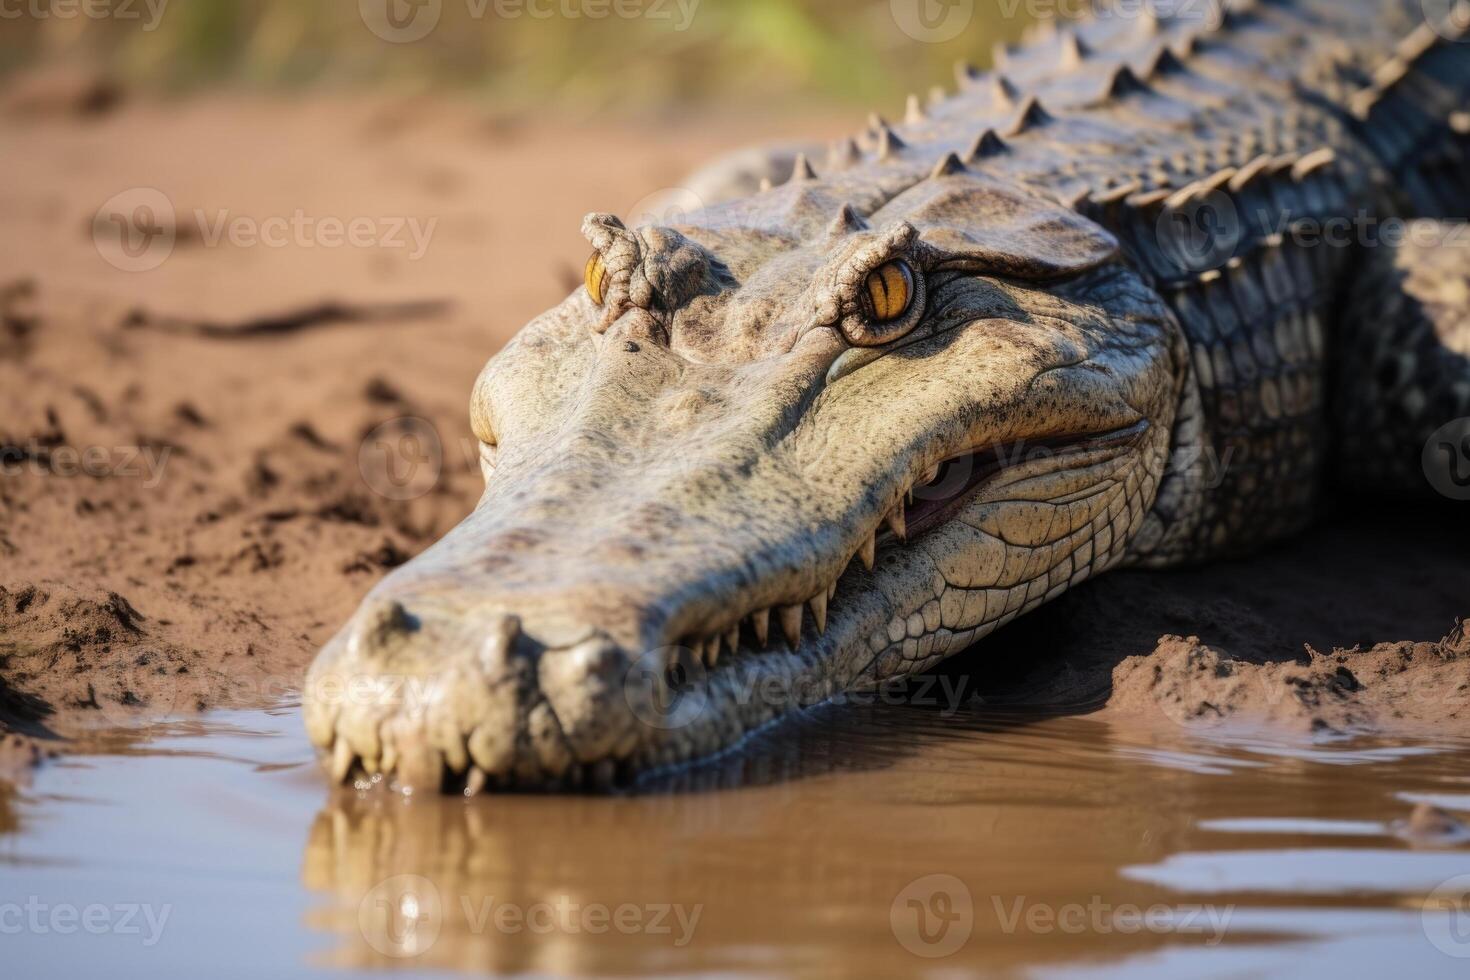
(418, 691)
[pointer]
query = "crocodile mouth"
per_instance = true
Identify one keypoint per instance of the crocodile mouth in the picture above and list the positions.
(503, 709)
(954, 482)
(944, 491)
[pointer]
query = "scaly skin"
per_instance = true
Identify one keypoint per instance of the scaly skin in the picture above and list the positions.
(721, 472)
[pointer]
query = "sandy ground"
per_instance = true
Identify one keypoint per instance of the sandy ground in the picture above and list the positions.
(206, 462)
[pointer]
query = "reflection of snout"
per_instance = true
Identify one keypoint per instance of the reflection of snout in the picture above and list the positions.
(420, 689)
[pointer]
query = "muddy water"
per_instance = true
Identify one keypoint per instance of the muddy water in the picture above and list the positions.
(864, 842)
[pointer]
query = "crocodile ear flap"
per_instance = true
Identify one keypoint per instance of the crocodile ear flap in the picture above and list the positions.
(979, 225)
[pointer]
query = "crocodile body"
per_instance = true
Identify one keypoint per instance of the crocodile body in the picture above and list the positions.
(1127, 299)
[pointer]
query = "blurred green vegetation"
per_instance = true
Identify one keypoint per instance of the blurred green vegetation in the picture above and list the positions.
(750, 53)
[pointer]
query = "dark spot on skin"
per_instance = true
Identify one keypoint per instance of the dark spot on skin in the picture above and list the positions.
(631, 347)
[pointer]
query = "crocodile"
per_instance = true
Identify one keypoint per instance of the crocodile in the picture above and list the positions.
(1144, 294)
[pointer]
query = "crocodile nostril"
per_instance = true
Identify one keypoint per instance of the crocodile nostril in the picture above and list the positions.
(383, 622)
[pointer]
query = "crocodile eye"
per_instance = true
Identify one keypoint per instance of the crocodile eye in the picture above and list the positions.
(595, 277)
(889, 291)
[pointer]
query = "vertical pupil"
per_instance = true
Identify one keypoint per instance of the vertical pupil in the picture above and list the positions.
(889, 289)
(595, 278)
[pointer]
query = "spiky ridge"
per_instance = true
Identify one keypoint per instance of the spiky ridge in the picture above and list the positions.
(1140, 120)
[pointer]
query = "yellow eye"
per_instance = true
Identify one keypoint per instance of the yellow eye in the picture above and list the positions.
(890, 290)
(596, 278)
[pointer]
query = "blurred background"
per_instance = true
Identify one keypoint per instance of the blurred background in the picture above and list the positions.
(615, 56)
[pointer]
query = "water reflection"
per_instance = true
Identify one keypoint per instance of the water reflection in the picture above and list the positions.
(873, 841)
(805, 854)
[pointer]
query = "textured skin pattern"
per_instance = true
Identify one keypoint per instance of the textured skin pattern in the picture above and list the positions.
(1124, 339)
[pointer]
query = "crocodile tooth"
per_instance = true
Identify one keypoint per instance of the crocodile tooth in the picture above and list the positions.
(389, 761)
(831, 591)
(712, 651)
(869, 551)
(732, 637)
(895, 523)
(818, 603)
(790, 617)
(765, 184)
(321, 724)
(474, 783)
(1460, 122)
(341, 760)
(760, 621)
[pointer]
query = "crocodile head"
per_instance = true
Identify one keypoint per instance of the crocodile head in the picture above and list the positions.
(784, 451)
